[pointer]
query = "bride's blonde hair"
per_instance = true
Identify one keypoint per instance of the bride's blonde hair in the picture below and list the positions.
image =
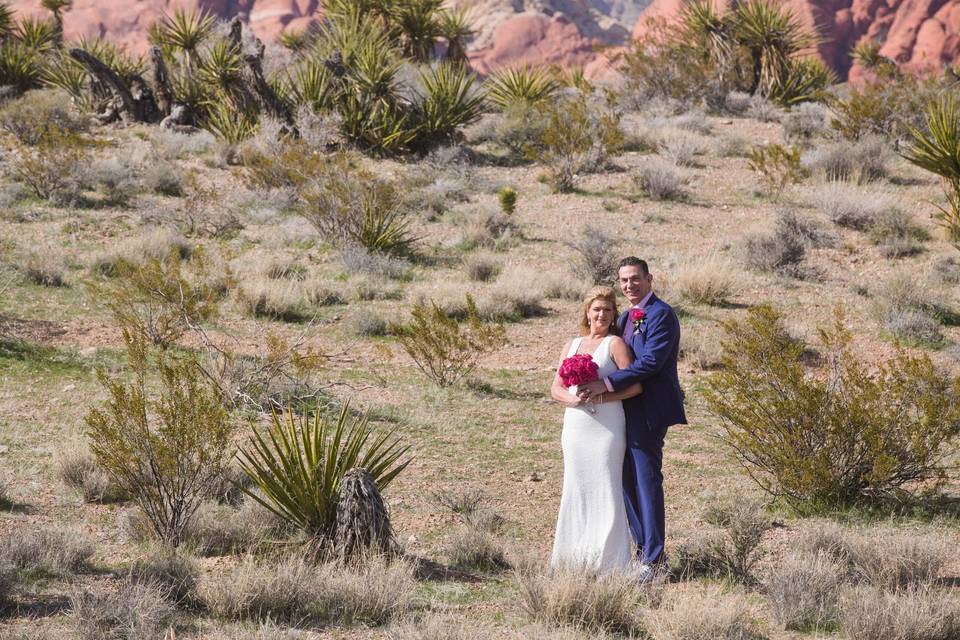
(606, 294)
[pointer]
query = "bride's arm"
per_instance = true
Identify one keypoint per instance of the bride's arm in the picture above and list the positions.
(623, 357)
(559, 392)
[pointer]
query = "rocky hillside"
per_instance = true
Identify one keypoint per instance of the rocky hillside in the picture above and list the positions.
(917, 33)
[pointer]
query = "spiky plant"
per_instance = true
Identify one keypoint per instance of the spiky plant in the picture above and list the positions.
(63, 72)
(867, 54)
(375, 125)
(185, 31)
(56, 7)
(574, 78)
(222, 66)
(228, 124)
(936, 148)
(710, 35)
(773, 34)
(804, 80)
(451, 101)
(312, 83)
(418, 25)
(456, 30)
(298, 41)
(122, 63)
(529, 85)
(36, 34)
(298, 466)
(20, 66)
(6, 21)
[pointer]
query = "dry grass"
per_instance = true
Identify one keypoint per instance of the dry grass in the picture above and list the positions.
(273, 300)
(172, 572)
(869, 613)
(707, 614)
(52, 551)
(218, 529)
(78, 469)
(473, 547)
(135, 612)
(155, 244)
(680, 148)
(44, 265)
(711, 280)
(595, 251)
(763, 110)
(482, 268)
(374, 591)
(805, 122)
(865, 160)
(851, 206)
(803, 591)
(660, 181)
(571, 598)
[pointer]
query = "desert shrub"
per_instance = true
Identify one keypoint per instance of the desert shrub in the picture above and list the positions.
(595, 255)
(896, 234)
(868, 613)
(736, 103)
(459, 501)
(166, 451)
(357, 259)
(160, 298)
(852, 207)
(37, 114)
(608, 603)
(371, 325)
(366, 290)
(763, 110)
(912, 310)
(50, 551)
(732, 147)
(7, 585)
(220, 529)
(511, 299)
(946, 270)
(912, 327)
(579, 137)
(298, 474)
(780, 252)
(490, 229)
(660, 181)
(711, 280)
(519, 127)
(859, 161)
(444, 349)
(51, 168)
(175, 574)
(507, 197)
(842, 438)
(803, 591)
(804, 123)
(679, 148)
(136, 612)
(474, 548)
(42, 265)
(156, 244)
(78, 469)
(731, 554)
(259, 590)
(482, 269)
(706, 615)
(863, 556)
(882, 108)
(777, 167)
(274, 301)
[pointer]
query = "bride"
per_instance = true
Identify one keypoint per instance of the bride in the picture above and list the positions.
(592, 528)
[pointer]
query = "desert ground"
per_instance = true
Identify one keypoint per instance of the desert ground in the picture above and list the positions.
(495, 435)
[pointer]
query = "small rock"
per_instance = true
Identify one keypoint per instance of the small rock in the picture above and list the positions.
(533, 477)
(69, 387)
(3, 449)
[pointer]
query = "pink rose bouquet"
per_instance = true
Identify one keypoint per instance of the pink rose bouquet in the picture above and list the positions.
(578, 369)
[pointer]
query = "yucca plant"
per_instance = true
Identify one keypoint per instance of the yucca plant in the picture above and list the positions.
(772, 34)
(804, 80)
(6, 21)
(451, 101)
(56, 7)
(936, 148)
(20, 66)
(298, 42)
(703, 30)
(185, 31)
(311, 83)
(63, 72)
(529, 85)
(228, 124)
(374, 125)
(36, 34)
(384, 226)
(456, 30)
(297, 468)
(417, 23)
(222, 67)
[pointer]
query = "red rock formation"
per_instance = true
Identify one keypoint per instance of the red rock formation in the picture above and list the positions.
(919, 34)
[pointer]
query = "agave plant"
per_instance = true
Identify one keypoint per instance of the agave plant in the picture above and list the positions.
(297, 468)
(451, 101)
(185, 31)
(20, 66)
(528, 85)
(772, 34)
(456, 30)
(36, 34)
(936, 148)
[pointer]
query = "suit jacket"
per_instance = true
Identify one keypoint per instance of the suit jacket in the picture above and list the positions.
(656, 347)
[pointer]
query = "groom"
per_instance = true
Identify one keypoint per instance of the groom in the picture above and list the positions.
(651, 328)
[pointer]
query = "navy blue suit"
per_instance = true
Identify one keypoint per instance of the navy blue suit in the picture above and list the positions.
(656, 346)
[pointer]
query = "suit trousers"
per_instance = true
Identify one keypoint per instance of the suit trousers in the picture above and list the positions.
(643, 494)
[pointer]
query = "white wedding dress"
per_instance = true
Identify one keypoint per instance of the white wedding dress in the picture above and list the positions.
(592, 531)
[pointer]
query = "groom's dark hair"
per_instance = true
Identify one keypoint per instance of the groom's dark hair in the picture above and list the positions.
(633, 261)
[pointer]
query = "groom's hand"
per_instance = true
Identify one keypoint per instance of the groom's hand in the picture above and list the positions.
(591, 389)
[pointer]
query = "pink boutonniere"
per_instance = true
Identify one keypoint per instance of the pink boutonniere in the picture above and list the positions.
(638, 316)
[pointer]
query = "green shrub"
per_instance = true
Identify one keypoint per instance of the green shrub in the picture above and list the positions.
(522, 85)
(166, 451)
(777, 167)
(33, 117)
(838, 439)
(51, 167)
(442, 348)
(732, 554)
(803, 591)
(298, 467)
(450, 102)
(160, 299)
(886, 107)
(508, 199)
